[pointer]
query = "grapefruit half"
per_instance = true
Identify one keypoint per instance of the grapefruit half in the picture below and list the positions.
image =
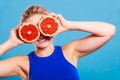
(28, 32)
(48, 25)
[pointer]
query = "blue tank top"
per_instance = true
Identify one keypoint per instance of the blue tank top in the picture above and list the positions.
(53, 67)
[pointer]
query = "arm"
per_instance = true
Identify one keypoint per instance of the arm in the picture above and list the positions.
(15, 66)
(12, 42)
(6, 46)
(9, 67)
(101, 33)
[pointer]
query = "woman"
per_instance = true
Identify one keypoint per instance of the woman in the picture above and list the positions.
(49, 62)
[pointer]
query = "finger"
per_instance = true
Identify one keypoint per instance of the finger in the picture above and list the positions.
(13, 29)
(59, 17)
(18, 26)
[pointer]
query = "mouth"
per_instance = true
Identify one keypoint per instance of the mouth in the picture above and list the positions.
(43, 39)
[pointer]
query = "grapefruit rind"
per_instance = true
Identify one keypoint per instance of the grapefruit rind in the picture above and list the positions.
(25, 40)
(47, 34)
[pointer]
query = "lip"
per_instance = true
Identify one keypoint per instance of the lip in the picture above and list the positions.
(41, 40)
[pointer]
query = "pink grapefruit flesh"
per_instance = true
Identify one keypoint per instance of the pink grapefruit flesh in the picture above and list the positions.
(48, 26)
(29, 33)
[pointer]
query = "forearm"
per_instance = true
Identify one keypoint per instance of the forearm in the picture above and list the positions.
(96, 28)
(7, 46)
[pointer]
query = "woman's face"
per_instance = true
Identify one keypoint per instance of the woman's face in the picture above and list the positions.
(43, 41)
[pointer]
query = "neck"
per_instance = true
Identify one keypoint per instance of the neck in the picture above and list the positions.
(44, 52)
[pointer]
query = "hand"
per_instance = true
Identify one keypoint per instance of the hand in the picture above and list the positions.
(14, 36)
(64, 24)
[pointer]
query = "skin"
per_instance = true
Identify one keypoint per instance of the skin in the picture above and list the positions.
(100, 33)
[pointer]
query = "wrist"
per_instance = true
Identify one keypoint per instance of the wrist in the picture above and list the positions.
(70, 25)
(9, 44)
(12, 43)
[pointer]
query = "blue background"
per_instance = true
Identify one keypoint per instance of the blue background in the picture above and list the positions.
(103, 64)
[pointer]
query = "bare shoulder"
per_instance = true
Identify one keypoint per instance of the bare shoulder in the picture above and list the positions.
(69, 53)
(69, 48)
(23, 64)
(18, 60)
